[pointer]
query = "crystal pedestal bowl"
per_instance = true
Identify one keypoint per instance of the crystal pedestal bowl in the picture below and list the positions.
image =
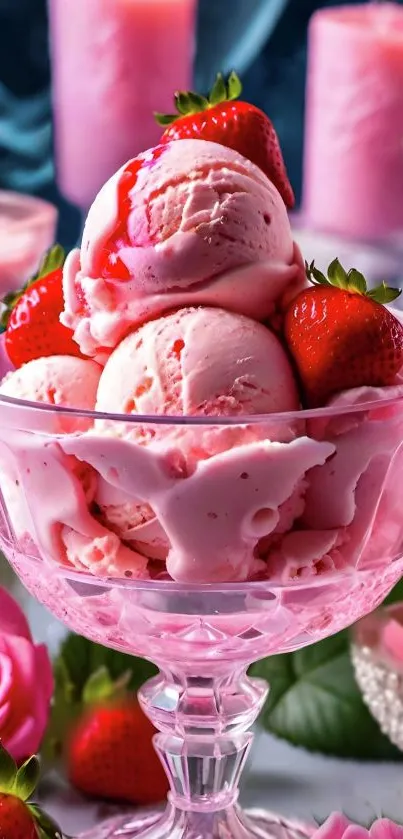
(204, 544)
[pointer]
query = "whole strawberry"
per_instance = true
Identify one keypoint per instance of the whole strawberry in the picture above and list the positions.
(110, 752)
(341, 336)
(19, 819)
(33, 328)
(223, 119)
(16, 821)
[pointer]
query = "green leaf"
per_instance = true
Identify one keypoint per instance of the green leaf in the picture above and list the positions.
(219, 91)
(396, 595)
(48, 829)
(8, 771)
(10, 298)
(337, 275)
(101, 688)
(198, 103)
(52, 260)
(314, 275)
(27, 778)
(183, 103)
(76, 671)
(384, 294)
(165, 119)
(314, 702)
(82, 658)
(234, 85)
(65, 708)
(356, 281)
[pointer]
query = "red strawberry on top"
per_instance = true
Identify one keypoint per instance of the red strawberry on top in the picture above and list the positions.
(32, 315)
(341, 336)
(223, 119)
(19, 819)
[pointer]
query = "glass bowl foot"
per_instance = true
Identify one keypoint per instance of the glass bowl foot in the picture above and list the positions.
(234, 823)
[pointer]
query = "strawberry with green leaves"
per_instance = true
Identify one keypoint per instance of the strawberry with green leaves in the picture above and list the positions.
(98, 727)
(31, 317)
(341, 335)
(223, 118)
(20, 819)
(110, 752)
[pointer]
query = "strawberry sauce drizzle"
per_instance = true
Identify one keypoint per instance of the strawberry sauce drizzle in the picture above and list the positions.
(110, 266)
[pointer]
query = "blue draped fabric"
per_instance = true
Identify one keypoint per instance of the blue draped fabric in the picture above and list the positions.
(265, 40)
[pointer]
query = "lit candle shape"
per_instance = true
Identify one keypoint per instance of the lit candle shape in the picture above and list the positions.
(114, 63)
(353, 173)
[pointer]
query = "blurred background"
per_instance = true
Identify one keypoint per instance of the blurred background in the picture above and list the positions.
(265, 40)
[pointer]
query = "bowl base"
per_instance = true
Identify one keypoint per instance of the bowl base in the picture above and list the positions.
(251, 824)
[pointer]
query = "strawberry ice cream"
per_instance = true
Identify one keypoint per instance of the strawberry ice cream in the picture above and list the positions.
(186, 223)
(57, 380)
(202, 361)
(198, 361)
(68, 382)
(194, 461)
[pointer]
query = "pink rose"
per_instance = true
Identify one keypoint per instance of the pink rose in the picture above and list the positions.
(26, 683)
(337, 826)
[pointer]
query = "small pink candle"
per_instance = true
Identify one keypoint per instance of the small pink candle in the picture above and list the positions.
(27, 230)
(353, 174)
(114, 63)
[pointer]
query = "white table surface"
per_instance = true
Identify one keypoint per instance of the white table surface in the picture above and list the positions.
(280, 778)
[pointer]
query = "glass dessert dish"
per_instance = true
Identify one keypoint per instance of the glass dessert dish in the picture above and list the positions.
(213, 493)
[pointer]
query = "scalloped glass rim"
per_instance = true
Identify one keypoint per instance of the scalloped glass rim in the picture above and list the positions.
(248, 419)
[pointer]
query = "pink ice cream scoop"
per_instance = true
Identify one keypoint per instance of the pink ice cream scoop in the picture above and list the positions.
(199, 361)
(68, 382)
(187, 223)
(61, 380)
(196, 361)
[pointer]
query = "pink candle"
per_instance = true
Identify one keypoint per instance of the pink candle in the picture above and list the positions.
(115, 62)
(27, 230)
(353, 175)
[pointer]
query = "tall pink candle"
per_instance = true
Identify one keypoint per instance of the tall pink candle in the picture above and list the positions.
(353, 174)
(115, 62)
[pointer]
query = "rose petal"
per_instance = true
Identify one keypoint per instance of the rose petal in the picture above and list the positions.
(45, 669)
(356, 831)
(386, 829)
(6, 675)
(30, 687)
(12, 618)
(24, 742)
(4, 712)
(333, 828)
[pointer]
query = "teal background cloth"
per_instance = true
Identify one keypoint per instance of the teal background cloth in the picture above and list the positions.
(264, 40)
